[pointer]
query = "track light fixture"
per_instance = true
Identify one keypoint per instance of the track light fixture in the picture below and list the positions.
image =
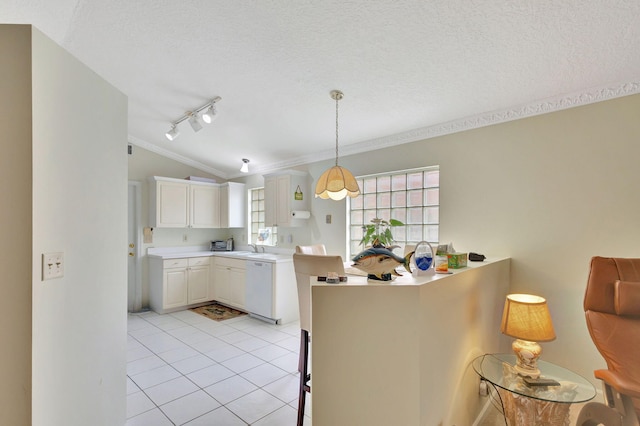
(245, 166)
(173, 133)
(209, 115)
(194, 118)
(195, 122)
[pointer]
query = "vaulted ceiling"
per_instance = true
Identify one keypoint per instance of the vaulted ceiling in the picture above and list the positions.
(409, 69)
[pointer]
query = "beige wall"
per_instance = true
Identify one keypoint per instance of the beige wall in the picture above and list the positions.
(15, 217)
(550, 191)
(143, 164)
(64, 179)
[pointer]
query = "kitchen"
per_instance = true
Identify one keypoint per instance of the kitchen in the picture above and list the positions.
(186, 220)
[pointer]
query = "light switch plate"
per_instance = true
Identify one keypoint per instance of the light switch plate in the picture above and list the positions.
(52, 265)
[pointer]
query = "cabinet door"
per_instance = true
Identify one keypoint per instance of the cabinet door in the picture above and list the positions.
(198, 278)
(237, 279)
(175, 288)
(205, 205)
(221, 283)
(270, 201)
(172, 204)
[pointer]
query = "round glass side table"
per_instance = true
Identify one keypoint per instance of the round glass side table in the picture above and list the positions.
(533, 405)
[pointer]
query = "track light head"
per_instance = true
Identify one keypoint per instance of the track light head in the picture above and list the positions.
(173, 133)
(245, 166)
(210, 114)
(194, 121)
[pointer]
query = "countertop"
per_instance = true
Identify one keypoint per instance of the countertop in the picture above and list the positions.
(185, 252)
(356, 277)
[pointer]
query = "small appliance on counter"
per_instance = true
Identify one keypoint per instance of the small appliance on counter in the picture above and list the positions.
(222, 245)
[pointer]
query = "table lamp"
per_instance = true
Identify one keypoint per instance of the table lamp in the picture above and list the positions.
(526, 317)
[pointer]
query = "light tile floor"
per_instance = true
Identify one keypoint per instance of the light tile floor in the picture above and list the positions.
(186, 369)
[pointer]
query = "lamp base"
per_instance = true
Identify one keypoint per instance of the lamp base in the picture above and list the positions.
(527, 354)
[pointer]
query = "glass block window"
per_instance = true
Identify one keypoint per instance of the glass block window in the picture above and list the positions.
(410, 196)
(256, 216)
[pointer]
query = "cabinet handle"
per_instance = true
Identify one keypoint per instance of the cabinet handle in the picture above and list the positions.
(131, 254)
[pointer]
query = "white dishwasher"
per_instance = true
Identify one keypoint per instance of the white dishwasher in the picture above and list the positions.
(259, 289)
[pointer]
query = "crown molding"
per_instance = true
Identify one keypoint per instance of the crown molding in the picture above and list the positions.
(495, 117)
(173, 156)
(539, 107)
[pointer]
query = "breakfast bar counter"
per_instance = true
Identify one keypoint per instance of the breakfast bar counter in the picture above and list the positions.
(396, 353)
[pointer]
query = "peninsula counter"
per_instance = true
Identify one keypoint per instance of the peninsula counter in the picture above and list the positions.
(397, 353)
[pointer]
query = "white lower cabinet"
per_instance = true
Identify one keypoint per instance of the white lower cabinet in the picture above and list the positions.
(176, 283)
(228, 284)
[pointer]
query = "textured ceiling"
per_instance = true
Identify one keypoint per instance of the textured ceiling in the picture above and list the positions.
(409, 69)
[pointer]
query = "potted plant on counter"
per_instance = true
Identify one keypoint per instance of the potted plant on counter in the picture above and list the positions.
(378, 233)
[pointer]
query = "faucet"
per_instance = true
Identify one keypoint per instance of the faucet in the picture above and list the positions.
(255, 247)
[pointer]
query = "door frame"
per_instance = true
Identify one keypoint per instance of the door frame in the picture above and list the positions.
(134, 295)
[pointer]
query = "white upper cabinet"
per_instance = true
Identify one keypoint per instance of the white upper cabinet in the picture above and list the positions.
(178, 203)
(233, 205)
(169, 207)
(204, 206)
(285, 192)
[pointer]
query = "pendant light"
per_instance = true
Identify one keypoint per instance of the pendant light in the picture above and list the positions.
(337, 182)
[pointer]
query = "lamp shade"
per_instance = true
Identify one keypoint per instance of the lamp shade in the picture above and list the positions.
(527, 317)
(337, 183)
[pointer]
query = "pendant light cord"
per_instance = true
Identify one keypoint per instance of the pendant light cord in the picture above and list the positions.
(337, 99)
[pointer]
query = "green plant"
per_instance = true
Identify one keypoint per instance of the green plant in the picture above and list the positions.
(379, 232)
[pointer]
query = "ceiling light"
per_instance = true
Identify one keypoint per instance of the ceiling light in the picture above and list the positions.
(195, 122)
(173, 133)
(209, 115)
(194, 118)
(337, 182)
(245, 166)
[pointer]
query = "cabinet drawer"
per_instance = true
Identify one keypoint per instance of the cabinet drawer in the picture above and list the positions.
(231, 263)
(175, 263)
(198, 261)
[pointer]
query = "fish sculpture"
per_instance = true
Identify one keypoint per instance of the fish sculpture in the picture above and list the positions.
(380, 263)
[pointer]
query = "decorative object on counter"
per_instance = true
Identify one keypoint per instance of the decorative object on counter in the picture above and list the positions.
(442, 264)
(526, 317)
(337, 182)
(218, 312)
(379, 230)
(380, 263)
(194, 118)
(457, 260)
(245, 166)
(476, 257)
(423, 257)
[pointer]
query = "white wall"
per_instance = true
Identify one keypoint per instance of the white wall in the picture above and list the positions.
(15, 225)
(79, 208)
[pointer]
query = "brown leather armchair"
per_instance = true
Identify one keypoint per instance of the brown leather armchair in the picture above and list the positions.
(612, 309)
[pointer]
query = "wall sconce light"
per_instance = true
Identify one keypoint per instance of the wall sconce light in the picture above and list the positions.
(245, 166)
(194, 118)
(526, 317)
